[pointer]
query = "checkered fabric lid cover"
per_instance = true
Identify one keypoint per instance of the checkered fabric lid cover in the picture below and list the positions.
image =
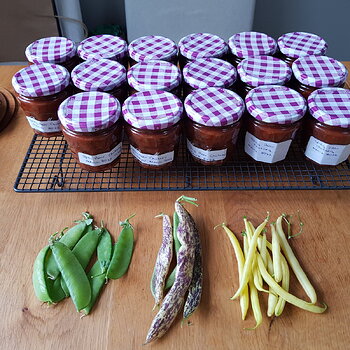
(154, 75)
(102, 46)
(275, 104)
(41, 79)
(152, 47)
(200, 45)
(89, 111)
(214, 106)
(152, 110)
(298, 44)
(251, 44)
(331, 106)
(208, 72)
(264, 70)
(51, 50)
(98, 75)
(319, 71)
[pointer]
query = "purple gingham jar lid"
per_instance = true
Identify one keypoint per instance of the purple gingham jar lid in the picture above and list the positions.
(98, 75)
(41, 79)
(331, 106)
(214, 107)
(251, 44)
(200, 45)
(154, 75)
(89, 111)
(319, 71)
(152, 47)
(51, 50)
(298, 44)
(209, 72)
(103, 46)
(152, 110)
(264, 70)
(275, 104)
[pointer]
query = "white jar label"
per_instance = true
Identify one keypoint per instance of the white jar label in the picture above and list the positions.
(206, 155)
(152, 159)
(100, 159)
(44, 126)
(326, 154)
(265, 151)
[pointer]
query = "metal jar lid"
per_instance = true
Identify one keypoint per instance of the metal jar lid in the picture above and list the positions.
(251, 44)
(89, 111)
(209, 72)
(53, 50)
(152, 110)
(98, 75)
(43, 79)
(216, 107)
(275, 104)
(331, 106)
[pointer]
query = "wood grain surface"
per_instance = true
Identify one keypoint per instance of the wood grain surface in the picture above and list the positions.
(124, 312)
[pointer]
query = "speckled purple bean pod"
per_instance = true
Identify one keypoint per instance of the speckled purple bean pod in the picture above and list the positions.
(161, 268)
(173, 301)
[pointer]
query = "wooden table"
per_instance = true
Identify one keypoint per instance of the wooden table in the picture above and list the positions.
(124, 312)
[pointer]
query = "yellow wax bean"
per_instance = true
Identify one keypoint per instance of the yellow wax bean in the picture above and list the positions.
(277, 266)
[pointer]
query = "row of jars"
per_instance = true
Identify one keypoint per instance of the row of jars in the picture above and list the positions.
(212, 118)
(288, 47)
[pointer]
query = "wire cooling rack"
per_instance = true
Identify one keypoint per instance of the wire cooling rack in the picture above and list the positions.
(49, 167)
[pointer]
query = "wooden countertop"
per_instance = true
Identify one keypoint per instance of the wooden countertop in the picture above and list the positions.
(124, 312)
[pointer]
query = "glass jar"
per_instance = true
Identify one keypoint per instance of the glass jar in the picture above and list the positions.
(41, 88)
(92, 128)
(315, 72)
(326, 130)
(154, 75)
(212, 124)
(250, 44)
(101, 75)
(208, 72)
(275, 114)
(153, 127)
(298, 44)
(54, 50)
(200, 45)
(104, 46)
(262, 70)
(152, 47)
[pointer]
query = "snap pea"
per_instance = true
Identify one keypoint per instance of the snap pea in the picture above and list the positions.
(97, 280)
(70, 238)
(39, 276)
(104, 250)
(55, 290)
(73, 274)
(86, 247)
(63, 286)
(122, 251)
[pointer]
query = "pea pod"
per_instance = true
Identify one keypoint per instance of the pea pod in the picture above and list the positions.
(70, 238)
(55, 289)
(86, 247)
(73, 274)
(64, 286)
(122, 251)
(39, 277)
(104, 250)
(97, 280)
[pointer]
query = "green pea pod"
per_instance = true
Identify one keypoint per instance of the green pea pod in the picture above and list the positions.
(122, 251)
(55, 290)
(86, 247)
(39, 277)
(97, 280)
(70, 238)
(104, 250)
(171, 278)
(64, 287)
(73, 274)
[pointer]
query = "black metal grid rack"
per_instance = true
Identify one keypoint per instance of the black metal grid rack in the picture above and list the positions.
(49, 167)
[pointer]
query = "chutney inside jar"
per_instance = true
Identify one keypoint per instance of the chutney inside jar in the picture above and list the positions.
(212, 124)
(153, 127)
